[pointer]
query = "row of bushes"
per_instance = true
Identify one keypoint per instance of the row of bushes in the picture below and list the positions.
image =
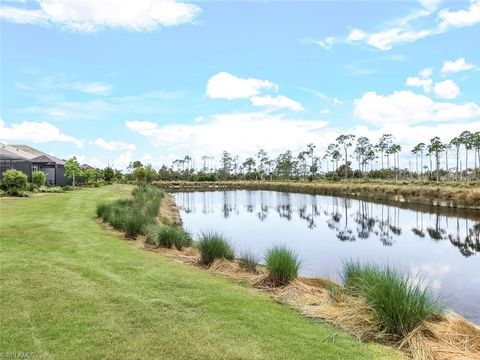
(132, 216)
(15, 183)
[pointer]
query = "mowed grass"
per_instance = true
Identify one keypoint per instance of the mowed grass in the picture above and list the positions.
(69, 290)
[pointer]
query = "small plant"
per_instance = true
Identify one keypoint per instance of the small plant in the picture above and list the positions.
(169, 236)
(399, 304)
(14, 182)
(38, 179)
(282, 265)
(151, 234)
(213, 245)
(248, 261)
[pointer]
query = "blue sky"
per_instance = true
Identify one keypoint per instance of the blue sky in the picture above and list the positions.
(113, 81)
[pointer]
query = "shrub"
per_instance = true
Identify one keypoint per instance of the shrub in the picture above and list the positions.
(14, 182)
(51, 189)
(282, 265)
(248, 261)
(38, 178)
(213, 245)
(169, 236)
(399, 304)
(68, 188)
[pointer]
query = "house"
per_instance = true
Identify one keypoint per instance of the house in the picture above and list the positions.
(28, 159)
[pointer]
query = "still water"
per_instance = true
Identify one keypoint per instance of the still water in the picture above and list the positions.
(326, 231)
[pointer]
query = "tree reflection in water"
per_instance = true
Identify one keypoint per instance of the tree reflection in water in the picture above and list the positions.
(350, 219)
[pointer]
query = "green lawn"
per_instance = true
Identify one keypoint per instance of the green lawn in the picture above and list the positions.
(71, 291)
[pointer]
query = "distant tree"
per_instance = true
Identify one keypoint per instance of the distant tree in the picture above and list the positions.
(108, 174)
(383, 144)
(436, 147)
(466, 138)
(457, 143)
(419, 149)
(333, 151)
(90, 176)
(134, 164)
(262, 161)
(285, 164)
(140, 175)
(346, 141)
(72, 169)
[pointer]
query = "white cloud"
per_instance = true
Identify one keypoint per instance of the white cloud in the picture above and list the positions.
(454, 66)
(276, 102)
(243, 134)
(422, 80)
(325, 111)
(460, 18)
(95, 15)
(113, 145)
(406, 29)
(410, 108)
(426, 73)
(446, 89)
(122, 161)
(36, 132)
(227, 86)
(356, 35)
(425, 84)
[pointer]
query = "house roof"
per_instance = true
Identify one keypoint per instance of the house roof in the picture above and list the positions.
(20, 153)
(8, 155)
(37, 154)
(44, 159)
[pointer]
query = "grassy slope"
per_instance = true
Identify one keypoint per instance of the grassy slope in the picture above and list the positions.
(70, 290)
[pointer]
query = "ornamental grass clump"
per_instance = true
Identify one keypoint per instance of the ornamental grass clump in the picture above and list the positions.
(169, 236)
(133, 215)
(212, 246)
(398, 302)
(282, 265)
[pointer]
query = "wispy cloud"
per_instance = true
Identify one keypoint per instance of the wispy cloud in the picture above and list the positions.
(409, 28)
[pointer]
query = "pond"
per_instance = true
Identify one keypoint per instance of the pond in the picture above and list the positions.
(326, 231)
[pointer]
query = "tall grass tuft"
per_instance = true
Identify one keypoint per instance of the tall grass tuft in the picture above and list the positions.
(213, 245)
(132, 215)
(399, 303)
(151, 234)
(282, 265)
(248, 261)
(169, 236)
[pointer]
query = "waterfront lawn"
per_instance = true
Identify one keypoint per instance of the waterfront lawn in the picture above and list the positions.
(71, 290)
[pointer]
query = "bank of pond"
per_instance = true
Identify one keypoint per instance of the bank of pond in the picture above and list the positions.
(376, 301)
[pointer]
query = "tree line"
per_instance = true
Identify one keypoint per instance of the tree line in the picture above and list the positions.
(348, 157)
